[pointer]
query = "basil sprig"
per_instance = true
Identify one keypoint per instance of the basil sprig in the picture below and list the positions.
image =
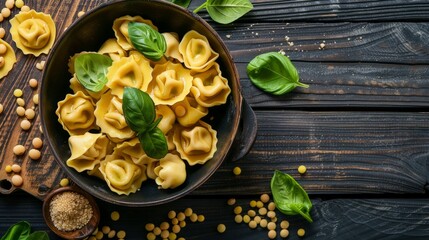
(290, 198)
(274, 73)
(22, 231)
(183, 3)
(140, 114)
(147, 40)
(91, 70)
(226, 11)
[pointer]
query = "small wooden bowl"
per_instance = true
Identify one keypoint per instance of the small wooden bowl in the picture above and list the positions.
(81, 233)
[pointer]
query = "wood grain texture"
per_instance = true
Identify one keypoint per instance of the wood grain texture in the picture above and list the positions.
(344, 152)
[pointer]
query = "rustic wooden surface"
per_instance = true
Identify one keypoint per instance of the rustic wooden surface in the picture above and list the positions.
(362, 128)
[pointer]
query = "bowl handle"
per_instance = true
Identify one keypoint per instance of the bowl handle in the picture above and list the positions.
(246, 133)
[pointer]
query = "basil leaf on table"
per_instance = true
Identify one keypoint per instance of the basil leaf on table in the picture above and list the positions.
(154, 143)
(91, 70)
(226, 11)
(274, 73)
(290, 198)
(18, 231)
(147, 40)
(182, 3)
(139, 111)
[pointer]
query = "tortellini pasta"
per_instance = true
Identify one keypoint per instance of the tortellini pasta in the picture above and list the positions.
(122, 176)
(210, 88)
(9, 59)
(197, 52)
(170, 172)
(110, 118)
(183, 85)
(195, 144)
(87, 150)
(33, 32)
(133, 71)
(76, 113)
(170, 84)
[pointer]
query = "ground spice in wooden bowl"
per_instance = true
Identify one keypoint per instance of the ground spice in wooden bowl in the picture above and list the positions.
(71, 213)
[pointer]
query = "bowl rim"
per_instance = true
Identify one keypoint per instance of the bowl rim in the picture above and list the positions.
(236, 121)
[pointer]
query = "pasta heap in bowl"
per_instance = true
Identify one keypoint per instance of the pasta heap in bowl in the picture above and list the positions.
(137, 106)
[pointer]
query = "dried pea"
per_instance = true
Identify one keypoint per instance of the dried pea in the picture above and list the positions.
(105, 229)
(5, 12)
(8, 168)
(2, 31)
(16, 168)
(238, 209)
(238, 218)
(30, 114)
(25, 124)
(36, 99)
(302, 169)
(149, 227)
(151, 236)
(253, 224)
(272, 234)
(271, 226)
(121, 234)
(19, 3)
(34, 154)
(111, 234)
(300, 232)
(164, 225)
(221, 228)
(10, 3)
(17, 180)
(171, 214)
(64, 182)
(37, 142)
(231, 201)
(115, 215)
(284, 224)
(237, 171)
(20, 102)
(33, 83)
(25, 8)
(284, 233)
(17, 92)
(18, 150)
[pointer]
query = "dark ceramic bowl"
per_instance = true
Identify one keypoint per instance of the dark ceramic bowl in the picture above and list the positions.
(87, 34)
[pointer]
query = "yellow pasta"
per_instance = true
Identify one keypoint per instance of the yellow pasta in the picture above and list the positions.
(33, 32)
(132, 150)
(195, 144)
(76, 113)
(76, 87)
(197, 52)
(167, 118)
(9, 59)
(189, 112)
(171, 171)
(87, 150)
(112, 49)
(172, 51)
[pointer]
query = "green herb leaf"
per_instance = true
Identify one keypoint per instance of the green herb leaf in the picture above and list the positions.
(38, 235)
(91, 70)
(139, 112)
(138, 108)
(226, 11)
(147, 40)
(274, 73)
(154, 143)
(18, 231)
(183, 3)
(290, 198)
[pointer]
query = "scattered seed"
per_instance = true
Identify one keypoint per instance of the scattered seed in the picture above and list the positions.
(271, 206)
(2, 32)
(246, 218)
(237, 171)
(18, 150)
(301, 232)
(302, 169)
(157, 231)
(20, 102)
(284, 233)
(149, 227)
(221, 228)
(151, 236)
(164, 225)
(30, 114)
(165, 234)
(284, 224)
(252, 203)
(64, 182)
(238, 218)
(19, 3)
(272, 234)
(37, 142)
(271, 214)
(193, 217)
(25, 8)
(171, 214)
(33, 83)
(121, 234)
(111, 234)
(181, 216)
(17, 180)
(265, 198)
(105, 229)
(36, 99)
(25, 124)
(271, 226)
(16, 168)
(188, 212)
(5, 12)
(251, 213)
(238, 209)
(262, 211)
(8, 168)
(10, 3)
(259, 204)
(1, 108)
(263, 223)
(231, 201)
(176, 229)
(40, 65)
(80, 13)
(34, 154)
(17, 92)
(253, 224)
(115, 215)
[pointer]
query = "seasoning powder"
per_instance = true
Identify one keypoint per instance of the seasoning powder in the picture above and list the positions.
(70, 211)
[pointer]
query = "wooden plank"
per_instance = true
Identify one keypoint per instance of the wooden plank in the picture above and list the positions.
(333, 219)
(348, 85)
(344, 152)
(333, 10)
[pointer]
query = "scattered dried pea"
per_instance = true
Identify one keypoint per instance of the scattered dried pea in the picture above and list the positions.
(174, 221)
(111, 234)
(37, 142)
(8, 168)
(19, 3)
(19, 150)
(25, 8)
(271, 214)
(171, 214)
(237, 171)
(238, 209)
(284, 233)
(114, 215)
(188, 212)
(181, 216)
(259, 204)
(176, 229)
(5, 12)
(17, 180)
(17, 92)
(20, 101)
(33, 83)
(301, 232)
(182, 224)
(165, 234)
(302, 169)
(25, 124)
(262, 211)
(271, 206)
(149, 227)
(157, 231)
(193, 217)
(16, 168)
(284, 224)
(231, 201)
(2, 31)
(251, 213)
(30, 113)
(253, 224)
(164, 226)
(1, 108)
(151, 236)
(272, 234)
(64, 182)
(201, 218)
(252, 203)
(263, 223)
(36, 99)
(10, 3)
(221, 228)
(40, 65)
(80, 13)
(99, 235)
(271, 226)
(238, 219)
(105, 229)
(246, 218)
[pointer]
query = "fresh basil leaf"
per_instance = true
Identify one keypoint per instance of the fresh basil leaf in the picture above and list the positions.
(274, 73)
(38, 235)
(18, 231)
(91, 70)
(147, 40)
(290, 198)
(183, 3)
(226, 11)
(154, 143)
(138, 108)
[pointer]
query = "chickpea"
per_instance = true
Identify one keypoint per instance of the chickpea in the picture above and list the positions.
(25, 8)
(34, 154)
(301, 232)
(115, 216)
(221, 228)
(17, 180)
(284, 224)
(238, 218)
(231, 201)
(37, 142)
(302, 169)
(121, 234)
(164, 226)
(284, 233)
(64, 182)
(272, 234)
(33, 83)
(105, 229)
(253, 224)
(2, 31)
(20, 101)
(16, 168)
(171, 214)
(176, 229)
(201, 218)
(17, 92)
(193, 217)
(10, 3)
(271, 226)
(19, 3)
(1, 108)
(25, 124)
(30, 113)
(149, 227)
(18, 150)
(111, 234)
(5, 12)
(238, 209)
(237, 171)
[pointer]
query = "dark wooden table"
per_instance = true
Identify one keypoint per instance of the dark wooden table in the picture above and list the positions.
(361, 129)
